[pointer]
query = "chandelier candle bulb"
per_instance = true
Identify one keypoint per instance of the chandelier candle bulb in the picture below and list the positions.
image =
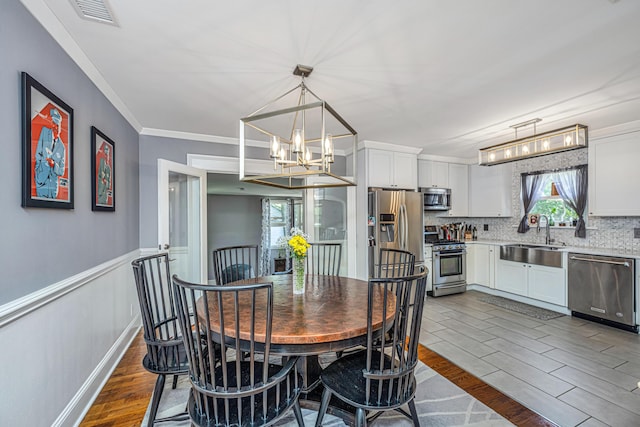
(275, 146)
(297, 141)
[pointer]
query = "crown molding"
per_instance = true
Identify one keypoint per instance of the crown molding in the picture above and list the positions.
(448, 159)
(163, 133)
(623, 128)
(389, 147)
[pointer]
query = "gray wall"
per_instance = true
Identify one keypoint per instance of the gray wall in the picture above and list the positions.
(232, 220)
(153, 148)
(43, 246)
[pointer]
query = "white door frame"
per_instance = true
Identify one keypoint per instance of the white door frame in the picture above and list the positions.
(164, 168)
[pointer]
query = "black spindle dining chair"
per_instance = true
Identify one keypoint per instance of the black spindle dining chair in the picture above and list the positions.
(228, 390)
(395, 263)
(165, 350)
(233, 263)
(324, 259)
(381, 377)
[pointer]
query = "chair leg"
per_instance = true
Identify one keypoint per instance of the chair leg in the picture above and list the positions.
(414, 413)
(155, 400)
(175, 382)
(324, 404)
(298, 413)
(361, 418)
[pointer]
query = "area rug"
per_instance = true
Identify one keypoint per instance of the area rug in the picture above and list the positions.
(438, 401)
(519, 307)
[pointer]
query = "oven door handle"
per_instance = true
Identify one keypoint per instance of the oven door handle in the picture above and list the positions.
(449, 253)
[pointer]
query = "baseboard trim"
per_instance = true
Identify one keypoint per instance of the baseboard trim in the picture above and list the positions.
(79, 405)
(20, 307)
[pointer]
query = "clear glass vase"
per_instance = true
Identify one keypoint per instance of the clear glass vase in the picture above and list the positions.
(299, 273)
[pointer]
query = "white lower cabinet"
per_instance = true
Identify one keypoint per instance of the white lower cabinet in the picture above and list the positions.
(481, 262)
(428, 264)
(534, 281)
(512, 277)
(547, 284)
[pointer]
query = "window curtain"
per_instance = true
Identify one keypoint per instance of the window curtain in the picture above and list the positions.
(530, 187)
(265, 241)
(572, 187)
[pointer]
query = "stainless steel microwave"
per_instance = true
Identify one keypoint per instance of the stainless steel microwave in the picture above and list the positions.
(436, 199)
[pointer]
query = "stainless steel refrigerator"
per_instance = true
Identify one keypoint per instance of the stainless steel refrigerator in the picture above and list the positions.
(395, 221)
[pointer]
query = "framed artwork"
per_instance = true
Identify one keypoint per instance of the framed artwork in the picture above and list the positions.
(47, 148)
(103, 193)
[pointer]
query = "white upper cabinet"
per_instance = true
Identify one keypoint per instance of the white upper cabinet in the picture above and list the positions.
(388, 169)
(459, 184)
(614, 175)
(433, 174)
(490, 190)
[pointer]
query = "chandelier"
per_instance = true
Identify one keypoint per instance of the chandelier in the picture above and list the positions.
(301, 133)
(538, 144)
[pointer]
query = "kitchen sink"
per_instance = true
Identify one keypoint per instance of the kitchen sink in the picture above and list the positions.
(548, 256)
(530, 246)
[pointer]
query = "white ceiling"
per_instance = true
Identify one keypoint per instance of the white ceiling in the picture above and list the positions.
(446, 76)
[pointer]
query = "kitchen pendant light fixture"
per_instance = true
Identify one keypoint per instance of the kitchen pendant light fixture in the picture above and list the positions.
(301, 132)
(555, 141)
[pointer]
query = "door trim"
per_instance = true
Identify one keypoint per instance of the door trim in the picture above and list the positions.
(164, 167)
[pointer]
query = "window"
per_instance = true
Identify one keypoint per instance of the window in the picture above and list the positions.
(561, 196)
(551, 204)
(284, 214)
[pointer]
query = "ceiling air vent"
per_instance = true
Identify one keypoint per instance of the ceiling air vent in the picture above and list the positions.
(95, 10)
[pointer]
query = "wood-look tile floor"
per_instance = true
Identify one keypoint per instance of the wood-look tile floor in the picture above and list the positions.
(569, 370)
(126, 395)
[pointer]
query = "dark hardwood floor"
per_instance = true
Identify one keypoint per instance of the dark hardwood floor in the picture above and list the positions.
(125, 397)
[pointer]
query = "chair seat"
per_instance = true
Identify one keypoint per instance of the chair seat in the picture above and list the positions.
(345, 378)
(277, 402)
(169, 360)
(236, 272)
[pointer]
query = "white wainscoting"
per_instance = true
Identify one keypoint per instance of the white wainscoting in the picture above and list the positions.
(60, 344)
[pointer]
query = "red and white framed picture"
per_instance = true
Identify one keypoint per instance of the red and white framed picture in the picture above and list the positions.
(103, 191)
(47, 148)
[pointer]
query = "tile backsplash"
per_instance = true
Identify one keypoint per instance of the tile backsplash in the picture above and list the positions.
(602, 232)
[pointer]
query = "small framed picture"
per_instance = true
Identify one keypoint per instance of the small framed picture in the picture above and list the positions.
(103, 191)
(533, 220)
(47, 148)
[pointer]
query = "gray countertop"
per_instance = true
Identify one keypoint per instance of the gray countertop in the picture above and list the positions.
(579, 249)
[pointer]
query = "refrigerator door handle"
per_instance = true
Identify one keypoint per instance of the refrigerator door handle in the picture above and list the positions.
(402, 227)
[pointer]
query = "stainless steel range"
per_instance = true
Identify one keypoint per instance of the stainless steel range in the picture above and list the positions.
(449, 270)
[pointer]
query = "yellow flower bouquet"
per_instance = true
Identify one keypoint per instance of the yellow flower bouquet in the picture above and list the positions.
(298, 246)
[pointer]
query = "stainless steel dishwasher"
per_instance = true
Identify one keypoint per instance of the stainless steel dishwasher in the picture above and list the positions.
(602, 288)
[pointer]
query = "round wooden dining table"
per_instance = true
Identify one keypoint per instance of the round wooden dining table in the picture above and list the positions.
(330, 316)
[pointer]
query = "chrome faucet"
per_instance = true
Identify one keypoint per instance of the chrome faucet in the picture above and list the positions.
(547, 237)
